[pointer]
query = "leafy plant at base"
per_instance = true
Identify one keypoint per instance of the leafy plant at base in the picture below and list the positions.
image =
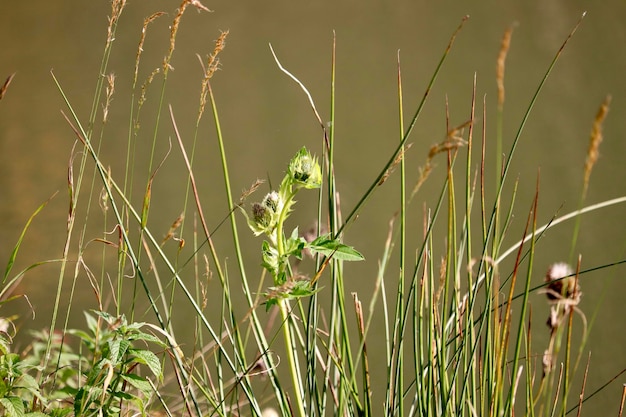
(18, 388)
(97, 383)
(115, 363)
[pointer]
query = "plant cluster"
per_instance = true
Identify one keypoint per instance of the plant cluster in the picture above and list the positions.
(104, 378)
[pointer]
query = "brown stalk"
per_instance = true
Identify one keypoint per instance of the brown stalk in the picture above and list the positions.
(582, 389)
(621, 405)
(361, 328)
(5, 86)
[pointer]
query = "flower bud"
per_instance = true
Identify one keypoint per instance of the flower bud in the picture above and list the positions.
(304, 170)
(261, 215)
(272, 202)
(265, 214)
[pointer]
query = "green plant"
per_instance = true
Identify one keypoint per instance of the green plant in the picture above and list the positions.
(268, 217)
(18, 388)
(114, 366)
(104, 379)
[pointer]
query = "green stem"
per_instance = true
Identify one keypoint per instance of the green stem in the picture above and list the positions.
(283, 305)
(280, 234)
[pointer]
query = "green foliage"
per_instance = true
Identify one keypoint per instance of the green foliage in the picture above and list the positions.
(115, 360)
(18, 388)
(110, 374)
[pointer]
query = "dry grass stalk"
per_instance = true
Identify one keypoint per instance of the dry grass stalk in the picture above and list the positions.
(246, 193)
(5, 86)
(175, 225)
(395, 163)
(500, 64)
(110, 89)
(103, 202)
(209, 69)
(213, 61)
(621, 405)
(174, 29)
(116, 10)
(144, 29)
(144, 87)
(594, 141)
(582, 389)
(453, 141)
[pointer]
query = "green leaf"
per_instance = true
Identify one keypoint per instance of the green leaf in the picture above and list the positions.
(5, 345)
(145, 208)
(61, 412)
(117, 350)
(271, 302)
(7, 271)
(301, 289)
(28, 382)
(13, 406)
(149, 359)
(295, 245)
(270, 257)
(92, 323)
(134, 327)
(140, 383)
(331, 247)
(147, 337)
(113, 321)
(123, 395)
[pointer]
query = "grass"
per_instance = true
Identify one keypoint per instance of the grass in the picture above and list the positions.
(458, 328)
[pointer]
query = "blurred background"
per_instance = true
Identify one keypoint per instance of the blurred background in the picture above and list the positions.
(266, 118)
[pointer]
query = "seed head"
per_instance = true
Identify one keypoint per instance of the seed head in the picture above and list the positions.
(561, 283)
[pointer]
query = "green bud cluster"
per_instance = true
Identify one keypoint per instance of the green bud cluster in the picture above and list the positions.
(268, 217)
(305, 171)
(265, 215)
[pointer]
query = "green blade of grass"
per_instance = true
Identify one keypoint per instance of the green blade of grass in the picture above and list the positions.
(16, 248)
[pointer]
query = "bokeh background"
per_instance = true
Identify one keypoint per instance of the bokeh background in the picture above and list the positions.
(266, 119)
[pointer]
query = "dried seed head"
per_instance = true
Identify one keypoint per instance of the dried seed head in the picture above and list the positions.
(548, 362)
(594, 142)
(561, 282)
(504, 50)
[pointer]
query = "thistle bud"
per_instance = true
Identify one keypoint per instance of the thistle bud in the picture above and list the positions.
(265, 214)
(272, 202)
(261, 215)
(305, 171)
